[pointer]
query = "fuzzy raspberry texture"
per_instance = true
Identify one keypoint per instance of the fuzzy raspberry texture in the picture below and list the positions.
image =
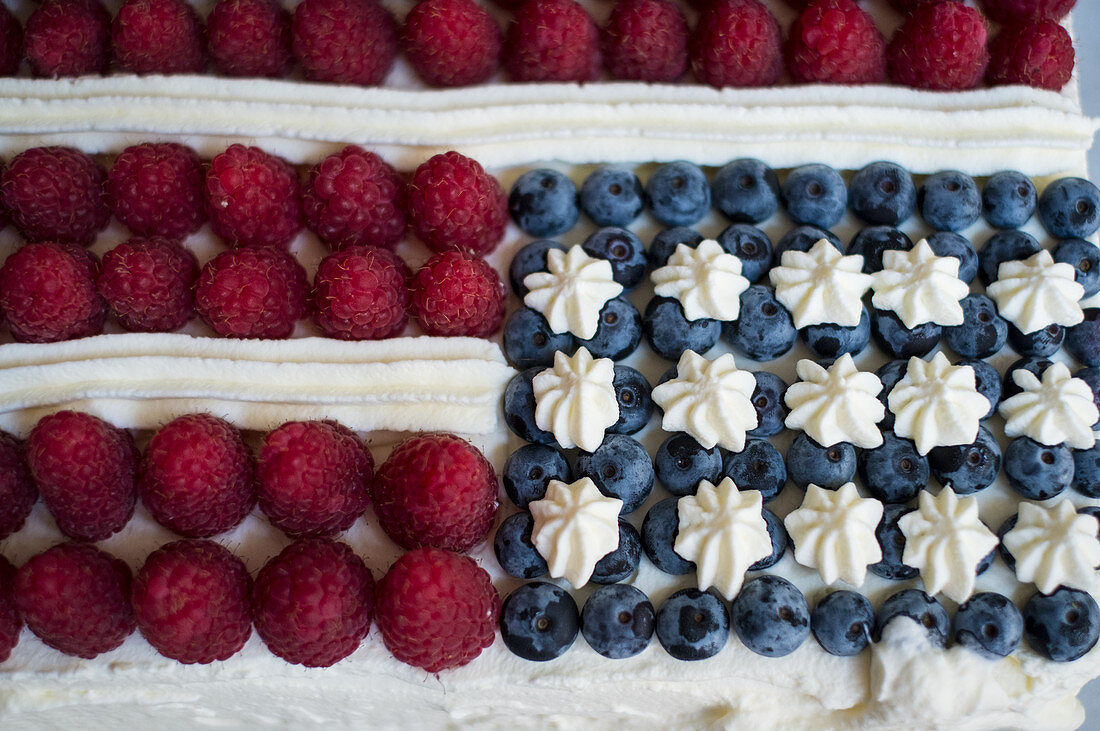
(1038, 53)
(252, 293)
(645, 40)
(17, 492)
(940, 46)
(11, 623)
(11, 44)
(197, 477)
(68, 38)
(344, 41)
(1020, 11)
(455, 204)
(76, 599)
(192, 602)
(253, 198)
(435, 490)
(836, 42)
(361, 293)
(158, 37)
(458, 294)
(451, 42)
(249, 38)
(84, 468)
(56, 194)
(355, 197)
(148, 283)
(737, 43)
(156, 189)
(48, 293)
(907, 6)
(313, 603)
(552, 40)
(437, 610)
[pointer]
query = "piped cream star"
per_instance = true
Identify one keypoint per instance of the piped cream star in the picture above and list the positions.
(709, 400)
(836, 404)
(1037, 292)
(834, 532)
(575, 400)
(821, 285)
(705, 279)
(937, 404)
(573, 290)
(920, 286)
(1055, 546)
(1058, 408)
(575, 526)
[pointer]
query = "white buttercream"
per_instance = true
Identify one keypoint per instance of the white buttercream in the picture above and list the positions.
(836, 404)
(920, 287)
(1037, 292)
(575, 400)
(936, 404)
(572, 291)
(575, 526)
(1058, 408)
(821, 285)
(710, 400)
(705, 279)
(1055, 546)
(833, 531)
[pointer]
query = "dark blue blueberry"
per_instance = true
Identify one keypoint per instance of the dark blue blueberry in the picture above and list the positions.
(746, 190)
(815, 195)
(771, 616)
(619, 330)
(1038, 344)
(759, 466)
(777, 532)
(1008, 199)
(899, 341)
(531, 258)
(1008, 385)
(919, 607)
(752, 246)
(949, 200)
(623, 249)
(889, 373)
(529, 469)
(519, 408)
(967, 468)
(987, 381)
(893, 472)
(1036, 471)
(1084, 257)
(539, 621)
(635, 401)
(842, 622)
(983, 331)
(1091, 376)
(513, 548)
(620, 467)
(803, 238)
(529, 341)
(892, 541)
(670, 333)
(1083, 339)
(612, 196)
(693, 625)
(617, 621)
(1062, 626)
(767, 399)
(949, 243)
(621, 563)
(764, 330)
(883, 193)
(1007, 245)
(1070, 208)
(1086, 471)
(543, 202)
(664, 244)
(831, 467)
(989, 624)
(678, 193)
(681, 462)
(832, 341)
(1006, 555)
(872, 242)
(659, 536)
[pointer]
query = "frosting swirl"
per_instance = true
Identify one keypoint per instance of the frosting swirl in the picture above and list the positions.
(710, 400)
(937, 404)
(1056, 409)
(836, 404)
(920, 286)
(575, 400)
(705, 279)
(572, 291)
(575, 526)
(833, 531)
(1055, 546)
(1037, 292)
(821, 285)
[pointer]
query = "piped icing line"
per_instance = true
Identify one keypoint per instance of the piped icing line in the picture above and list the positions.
(1055, 546)
(575, 525)
(821, 286)
(920, 286)
(833, 531)
(1037, 292)
(1055, 409)
(836, 404)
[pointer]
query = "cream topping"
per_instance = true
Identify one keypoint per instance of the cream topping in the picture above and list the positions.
(705, 279)
(920, 286)
(1054, 546)
(575, 400)
(573, 290)
(833, 531)
(836, 404)
(1037, 292)
(937, 404)
(821, 285)
(1059, 408)
(710, 400)
(575, 526)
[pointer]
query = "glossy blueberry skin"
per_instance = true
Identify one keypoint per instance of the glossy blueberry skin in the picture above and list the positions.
(752, 246)
(967, 468)
(514, 550)
(528, 340)
(949, 200)
(621, 563)
(1083, 339)
(830, 467)
(620, 467)
(983, 331)
(832, 341)
(841, 623)
(617, 621)
(898, 341)
(519, 408)
(892, 541)
(919, 607)
(1008, 199)
(777, 532)
(815, 195)
(872, 242)
(949, 243)
(529, 469)
(635, 399)
(1070, 208)
(889, 374)
(543, 202)
(678, 193)
(618, 333)
(883, 193)
(771, 616)
(659, 530)
(693, 625)
(1036, 471)
(531, 258)
(989, 624)
(539, 621)
(612, 196)
(987, 381)
(1008, 384)
(1038, 344)
(759, 466)
(623, 249)
(1084, 257)
(664, 244)
(1062, 626)
(1091, 376)
(681, 462)
(1007, 245)
(893, 472)
(746, 191)
(764, 330)
(670, 333)
(1086, 471)
(803, 238)
(767, 399)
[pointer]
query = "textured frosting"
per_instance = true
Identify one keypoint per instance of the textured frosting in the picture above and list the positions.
(833, 531)
(1055, 546)
(1037, 292)
(920, 286)
(575, 400)
(836, 404)
(936, 404)
(710, 400)
(573, 290)
(1058, 408)
(575, 526)
(821, 285)
(705, 279)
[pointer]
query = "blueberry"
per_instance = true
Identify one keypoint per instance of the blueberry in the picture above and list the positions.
(1070, 208)
(664, 244)
(659, 536)
(872, 242)
(1040, 343)
(949, 200)
(1008, 199)
(681, 463)
(1062, 626)
(983, 331)
(1083, 339)
(777, 532)
(803, 238)
(619, 330)
(892, 541)
(752, 246)
(623, 249)
(814, 194)
(519, 408)
(899, 341)
(949, 243)
(539, 621)
(670, 333)
(893, 472)
(612, 197)
(1007, 245)
(617, 621)
(693, 625)
(1036, 471)
(543, 202)
(529, 469)
(1036, 365)
(746, 190)
(1091, 376)
(1006, 555)
(531, 258)
(842, 622)
(678, 193)
(771, 616)
(764, 330)
(1084, 257)
(919, 607)
(889, 373)
(620, 467)
(987, 382)
(967, 468)
(831, 341)
(989, 624)
(830, 467)
(883, 193)
(1086, 471)
(513, 548)
(528, 340)
(635, 401)
(621, 563)
(759, 466)
(767, 399)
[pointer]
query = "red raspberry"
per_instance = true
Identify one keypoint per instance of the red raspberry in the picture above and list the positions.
(344, 41)
(11, 624)
(940, 46)
(313, 603)
(1019, 11)
(455, 204)
(451, 42)
(252, 293)
(76, 598)
(737, 43)
(56, 194)
(907, 6)
(158, 37)
(68, 38)
(191, 601)
(435, 490)
(354, 197)
(48, 293)
(11, 50)
(836, 42)
(156, 189)
(1036, 53)
(17, 495)
(249, 38)
(646, 40)
(149, 284)
(197, 477)
(437, 610)
(552, 40)
(85, 470)
(456, 293)
(361, 293)
(253, 198)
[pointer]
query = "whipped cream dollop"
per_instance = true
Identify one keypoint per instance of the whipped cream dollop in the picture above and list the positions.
(575, 399)
(710, 400)
(723, 531)
(1055, 546)
(821, 285)
(572, 291)
(575, 526)
(833, 531)
(920, 287)
(836, 404)
(705, 279)
(936, 404)
(1037, 292)
(1055, 409)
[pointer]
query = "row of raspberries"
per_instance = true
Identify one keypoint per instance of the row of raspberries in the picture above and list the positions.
(457, 42)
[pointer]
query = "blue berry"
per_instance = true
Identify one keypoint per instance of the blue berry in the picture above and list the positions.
(831, 341)
(531, 258)
(831, 467)
(1086, 471)
(659, 530)
(919, 607)
(1036, 365)
(842, 622)
(1070, 208)
(1083, 339)
(528, 340)
(664, 244)
(752, 246)
(803, 238)
(883, 193)
(1036, 471)
(1062, 626)
(543, 202)
(617, 621)
(670, 333)
(899, 341)
(619, 330)
(1084, 257)
(519, 408)
(771, 616)
(989, 624)
(1008, 199)
(777, 532)
(983, 331)
(767, 399)
(892, 541)
(612, 196)
(889, 373)
(893, 472)
(539, 621)
(514, 550)
(529, 469)
(621, 563)
(678, 193)
(635, 401)
(620, 467)
(746, 190)
(987, 382)
(764, 330)
(967, 468)
(1007, 245)
(1040, 343)
(949, 243)
(681, 463)
(623, 249)
(949, 200)
(872, 242)
(759, 466)
(814, 194)
(693, 625)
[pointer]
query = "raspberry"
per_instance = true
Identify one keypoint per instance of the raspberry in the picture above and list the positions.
(361, 293)
(11, 624)
(158, 37)
(451, 42)
(48, 293)
(56, 194)
(252, 293)
(68, 38)
(455, 204)
(646, 40)
(1036, 53)
(552, 40)
(149, 284)
(907, 6)
(156, 189)
(836, 42)
(313, 603)
(940, 46)
(197, 477)
(437, 610)
(344, 41)
(76, 598)
(354, 197)
(17, 495)
(249, 38)
(253, 198)
(191, 601)
(435, 490)
(456, 293)
(11, 53)
(85, 470)
(1020, 11)
(737, 43)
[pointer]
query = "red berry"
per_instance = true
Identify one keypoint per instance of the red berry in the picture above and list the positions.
(435, 490)
(197, 477)
(836, 42)
(361, 293)
(76, 598)
(455, 204)
(68, 38)
(48, 293)
(249, 38)
(646, 40)
(437, 610)
(11, 49)
(552, 40)
(253, 198)
(56, 194)
(355, 197)
(252, 293)
(313, 603)
(17, 496)
(11, 624)
(191, 601)
(344, 41)
(1020, 11)
(158, 37)
(907, 6)
(156, 189)
(1037, 53)
(451, 42)
(456, 293)
(149, 284)
(737, 43)
(940, 46)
